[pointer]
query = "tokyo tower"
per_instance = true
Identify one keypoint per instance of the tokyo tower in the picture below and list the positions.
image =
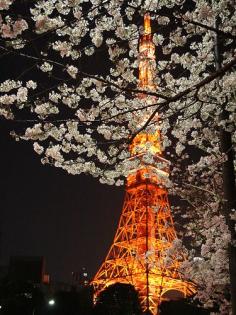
(138, 255)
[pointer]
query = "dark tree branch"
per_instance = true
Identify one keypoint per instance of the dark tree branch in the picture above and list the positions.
(209, 28)
(84, 74)
(187, 91)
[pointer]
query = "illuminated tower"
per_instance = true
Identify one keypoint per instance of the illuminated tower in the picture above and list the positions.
(141, 251)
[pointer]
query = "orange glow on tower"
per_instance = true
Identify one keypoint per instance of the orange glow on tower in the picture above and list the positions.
(139, 253)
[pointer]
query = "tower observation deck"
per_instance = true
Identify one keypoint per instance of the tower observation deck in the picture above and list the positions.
(138, 254)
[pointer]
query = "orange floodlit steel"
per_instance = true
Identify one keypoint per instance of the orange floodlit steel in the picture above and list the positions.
(138, 255)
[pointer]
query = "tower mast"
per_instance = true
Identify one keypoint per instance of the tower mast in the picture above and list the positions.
(147, 56)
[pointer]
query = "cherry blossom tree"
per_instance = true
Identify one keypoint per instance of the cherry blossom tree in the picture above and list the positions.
(76, 98)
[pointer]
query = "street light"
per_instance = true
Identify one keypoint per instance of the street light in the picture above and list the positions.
(51, 302)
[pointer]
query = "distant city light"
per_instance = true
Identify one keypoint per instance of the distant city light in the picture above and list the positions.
(51, 302)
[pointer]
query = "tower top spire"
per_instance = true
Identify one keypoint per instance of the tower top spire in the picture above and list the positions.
(147, 24)
(147, 58)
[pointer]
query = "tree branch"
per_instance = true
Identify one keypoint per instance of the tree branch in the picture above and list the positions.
(86, 75)
(195, 87)
(209, 28)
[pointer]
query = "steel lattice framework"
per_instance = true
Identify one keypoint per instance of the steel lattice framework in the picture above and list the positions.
(146, 232)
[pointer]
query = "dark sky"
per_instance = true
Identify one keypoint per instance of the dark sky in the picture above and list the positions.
(71, 220)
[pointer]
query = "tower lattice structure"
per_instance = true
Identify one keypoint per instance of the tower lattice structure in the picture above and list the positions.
(140, 253)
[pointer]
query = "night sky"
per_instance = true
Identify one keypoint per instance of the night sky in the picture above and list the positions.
(71, 220)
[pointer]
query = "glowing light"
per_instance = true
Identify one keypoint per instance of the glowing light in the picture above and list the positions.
(51, 302)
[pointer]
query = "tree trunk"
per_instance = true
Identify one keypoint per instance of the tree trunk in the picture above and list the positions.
(229, 192)
(229, 187)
